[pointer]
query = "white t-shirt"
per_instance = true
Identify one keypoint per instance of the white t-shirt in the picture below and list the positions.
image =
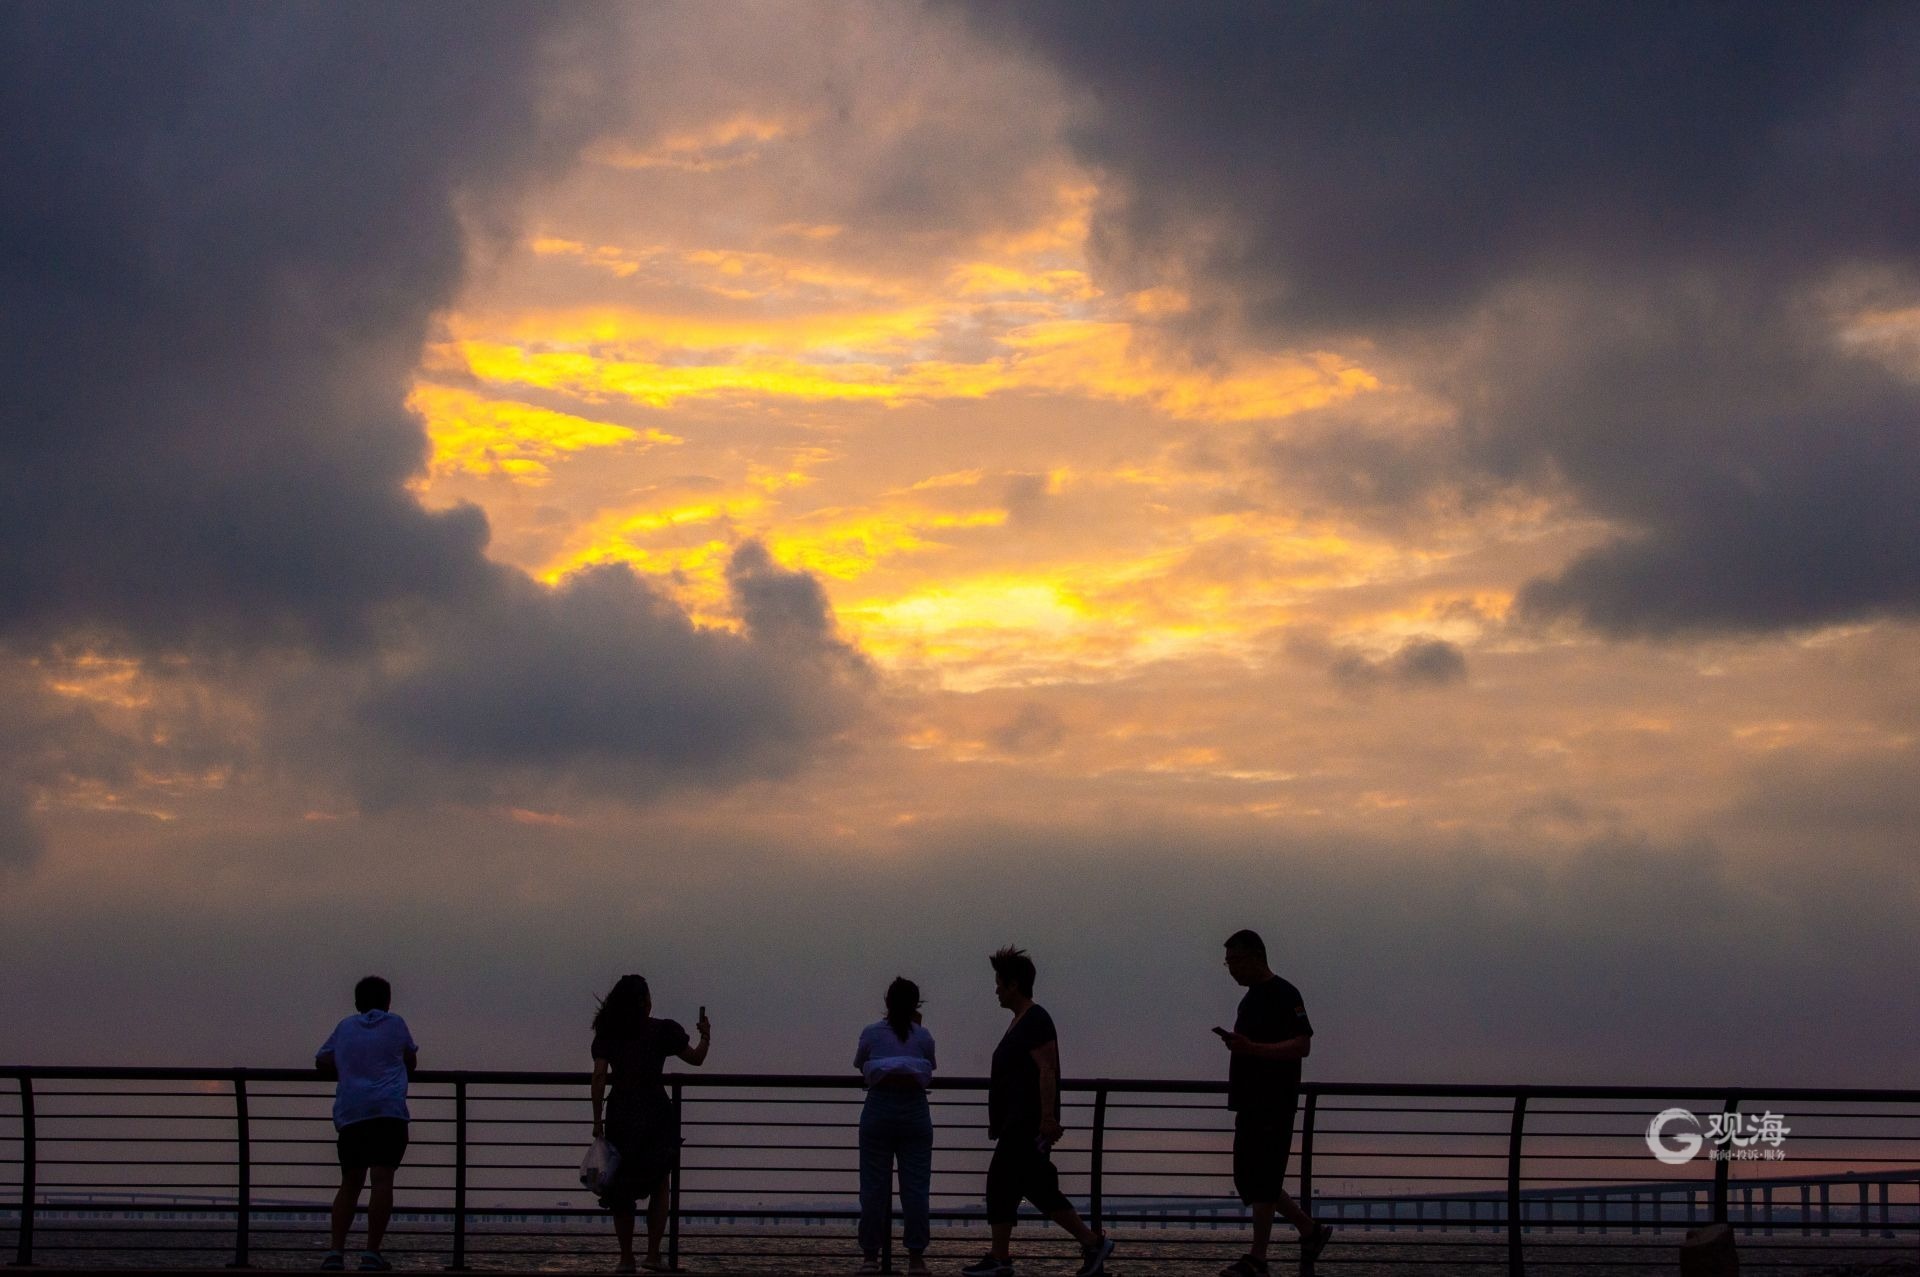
(881, 1053)
(369, 1050)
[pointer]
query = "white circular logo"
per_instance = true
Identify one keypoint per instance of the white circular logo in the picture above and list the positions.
(1686, 1144)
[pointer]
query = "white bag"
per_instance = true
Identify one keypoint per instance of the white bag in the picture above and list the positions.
(599, 1166)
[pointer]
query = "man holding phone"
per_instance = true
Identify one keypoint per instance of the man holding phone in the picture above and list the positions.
(1270, 1036)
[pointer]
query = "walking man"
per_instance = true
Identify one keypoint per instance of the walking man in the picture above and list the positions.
(370, 1055)
(1270, 1037)
(1023, 1118)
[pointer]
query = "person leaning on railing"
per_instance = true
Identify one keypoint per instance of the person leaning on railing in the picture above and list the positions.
(630, 1048)
(895, 1059)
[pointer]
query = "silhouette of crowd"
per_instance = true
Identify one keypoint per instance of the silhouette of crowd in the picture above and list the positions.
(371, 1054)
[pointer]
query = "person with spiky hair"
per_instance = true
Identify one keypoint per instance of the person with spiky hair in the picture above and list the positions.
(1023, 1119)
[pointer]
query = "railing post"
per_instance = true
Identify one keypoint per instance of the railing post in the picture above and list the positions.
(1724, 1167)
(243, 1172)
(29, 1166)
(1095, 1198)
(1306, 1170)
(673, 1195)
(459, 1262)
(1516, 1259)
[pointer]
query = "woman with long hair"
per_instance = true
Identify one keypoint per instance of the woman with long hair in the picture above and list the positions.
(895, 1059)
(630, 1048)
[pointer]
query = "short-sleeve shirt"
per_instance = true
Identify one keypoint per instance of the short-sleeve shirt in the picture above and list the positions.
(636, 1060)
(1013, 1089)
(369, 1053)
(881, 1053)
(1271, 1011)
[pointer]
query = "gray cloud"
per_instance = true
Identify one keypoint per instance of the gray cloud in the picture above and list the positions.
(606, 680)
(1418, 662)
(1665, 193)
(227, 232)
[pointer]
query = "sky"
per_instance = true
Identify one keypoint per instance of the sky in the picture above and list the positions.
(774, 497)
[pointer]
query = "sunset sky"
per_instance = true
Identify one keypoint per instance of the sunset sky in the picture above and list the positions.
(777, 496)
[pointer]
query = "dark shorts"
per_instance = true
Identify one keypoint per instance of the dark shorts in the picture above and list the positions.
(1019, 1169)
(1261, 1145)
(378, 1141)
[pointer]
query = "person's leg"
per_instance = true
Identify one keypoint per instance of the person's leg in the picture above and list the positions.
(352, 1179)
(1295, 1215)
(657, 1219)
(1003, 1199)
(623, 1213)
(876, 1167)
(916, 1179)
(1262, 1228)
(379, 1206)
(1069, 1218)
(1040, 1182)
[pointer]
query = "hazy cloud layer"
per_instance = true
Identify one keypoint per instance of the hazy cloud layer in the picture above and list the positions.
(1666, 214)
(1623, 962)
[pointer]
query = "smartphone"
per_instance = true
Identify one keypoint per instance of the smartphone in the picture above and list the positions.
(1222, 1032)
(703, 1013)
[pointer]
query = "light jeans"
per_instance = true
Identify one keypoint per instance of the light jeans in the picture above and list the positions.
(895, 1124)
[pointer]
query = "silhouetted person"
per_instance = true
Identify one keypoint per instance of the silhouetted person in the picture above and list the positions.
(1270, 1037)
(370, 1055)
(895, 1059)
(630, 1048)
(1023, 1119)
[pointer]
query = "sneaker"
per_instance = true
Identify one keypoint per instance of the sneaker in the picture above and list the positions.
(1245, 1266)
(371, 1261)
(1093, 1258)
(988, 1266)
(335, 1262)
(870, 1265)
(1316, 1241)
(917, 1266)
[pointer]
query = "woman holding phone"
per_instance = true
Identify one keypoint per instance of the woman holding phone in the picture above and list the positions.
(630, 1050)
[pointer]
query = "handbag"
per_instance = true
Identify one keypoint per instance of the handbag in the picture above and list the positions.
(599, 1166)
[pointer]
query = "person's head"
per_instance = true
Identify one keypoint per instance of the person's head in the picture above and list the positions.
(1012, 976)
(1247, 958)
(372, 994)
(903, 1002)
(627, 1005)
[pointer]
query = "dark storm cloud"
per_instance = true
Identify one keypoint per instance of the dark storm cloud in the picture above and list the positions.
(1688, 180)
(604, 672)
(224, 231)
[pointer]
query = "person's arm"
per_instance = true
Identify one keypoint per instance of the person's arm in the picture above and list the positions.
(1047, 1057)
(1294, 1048)
(696, 1054)
(599, 1092)
(411, 1058)
(323, 1059)
(862, 1053)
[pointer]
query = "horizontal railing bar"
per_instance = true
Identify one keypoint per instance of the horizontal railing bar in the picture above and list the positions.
(803, 1081)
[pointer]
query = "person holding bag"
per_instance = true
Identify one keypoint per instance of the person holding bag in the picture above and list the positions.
(630, 1049)
(895, 1059)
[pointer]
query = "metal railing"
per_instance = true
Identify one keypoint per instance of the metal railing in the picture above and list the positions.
(159, 1166)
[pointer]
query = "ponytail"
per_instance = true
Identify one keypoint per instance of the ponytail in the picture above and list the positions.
(903, 999)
